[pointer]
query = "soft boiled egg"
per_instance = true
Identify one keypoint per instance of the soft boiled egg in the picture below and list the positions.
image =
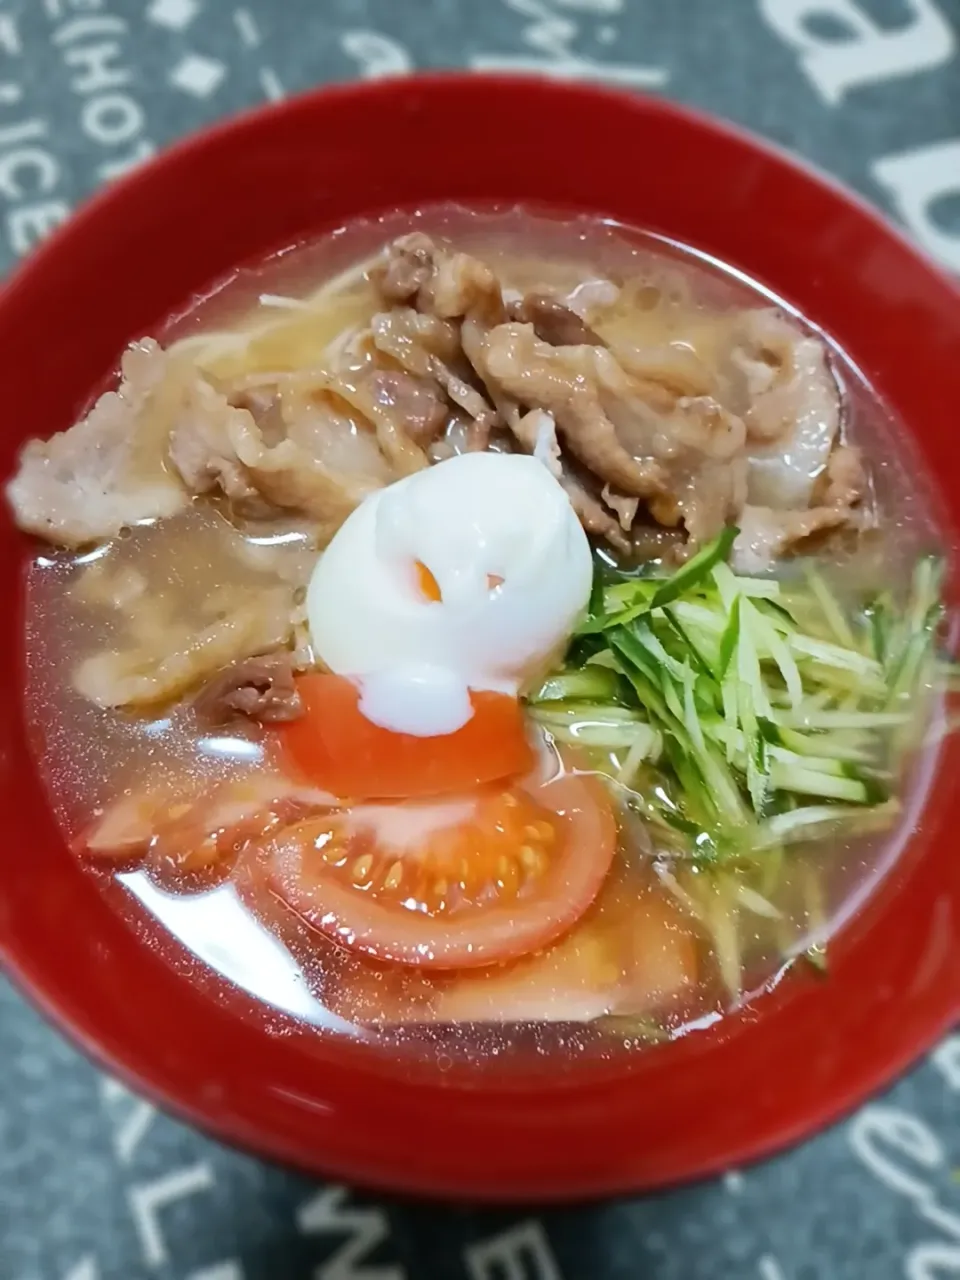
(470, 574)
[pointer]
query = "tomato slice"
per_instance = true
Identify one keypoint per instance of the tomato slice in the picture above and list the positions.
(338, 748)
(453, 884)
(632, 954)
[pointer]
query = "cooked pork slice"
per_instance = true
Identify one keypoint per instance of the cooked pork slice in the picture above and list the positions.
(416, 403)
(666, 372)
(794, 408)
(592, 514)
(535, 432)
(215, 446)
(430, 349)
(107, 471)
(767, 534)
(553, 321)
(379, 395)
(706, 498)
(202, 448)
(564, 381)
(260, 688)
(843, 482)
(435, 280)
(406, 267)
(415, 340)
(168, 659)
(622, 505)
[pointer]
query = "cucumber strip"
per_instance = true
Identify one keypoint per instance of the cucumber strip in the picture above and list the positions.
(833, 745)
(816, 719)
(583, 733)
(925, 591)
(778, 616)
(758, 588)
(810, 782)
(622, 595)
(690, 717)
(676, 889)
(832, 613)
(604, 659)
(832, 655)
(813, 900)
(592, 683)
(819, 764)
(844, 684)
(567, 712)
(757, 903)
(644, 634)
(721, 919)
(596, 606)
(646, 746)
(696, 569)
(695, 614)
(730, 638)
(801, 824)
(700, 659)
(637, 671)
(594, 626)
(748, 662)
(767, 641)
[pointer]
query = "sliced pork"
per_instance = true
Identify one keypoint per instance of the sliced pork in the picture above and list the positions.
(108, 471)
(260, 688)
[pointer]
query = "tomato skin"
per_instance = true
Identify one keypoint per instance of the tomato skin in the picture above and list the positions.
(502, 928)
(336, 747)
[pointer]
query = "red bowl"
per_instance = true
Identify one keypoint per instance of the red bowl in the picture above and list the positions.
(801, 1055)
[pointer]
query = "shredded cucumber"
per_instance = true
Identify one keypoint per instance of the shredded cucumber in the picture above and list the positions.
(749, 716)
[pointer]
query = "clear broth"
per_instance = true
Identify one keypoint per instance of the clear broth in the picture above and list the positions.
(89, 757)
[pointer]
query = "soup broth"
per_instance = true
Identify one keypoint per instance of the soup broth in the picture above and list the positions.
(689, 921)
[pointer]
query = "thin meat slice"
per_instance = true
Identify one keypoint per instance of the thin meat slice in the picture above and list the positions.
(218, 447)
(705, 498)
(406, 268)
(793, 417)
(622, 505)
(666, 373)
(767, 534)
(535, 432)
(843, 482)
(553, 321)
(169, 657)
(399, 405)
(260, 688)
(416, 403)
(202, 444)
(106, 472)
(564, 382)
(686, 464)
(430, 349)
(436, 280)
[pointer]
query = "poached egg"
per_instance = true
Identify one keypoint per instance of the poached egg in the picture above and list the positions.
(470, 574)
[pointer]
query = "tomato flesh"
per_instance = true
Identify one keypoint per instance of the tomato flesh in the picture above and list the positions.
(456, 884)
(336, 747)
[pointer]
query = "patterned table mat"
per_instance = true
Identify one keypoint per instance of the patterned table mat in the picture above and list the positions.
(94, 1184)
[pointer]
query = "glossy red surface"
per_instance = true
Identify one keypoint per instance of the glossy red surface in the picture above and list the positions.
(806, 1052)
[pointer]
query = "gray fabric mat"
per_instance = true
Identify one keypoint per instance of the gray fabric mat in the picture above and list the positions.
(93, 1184)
